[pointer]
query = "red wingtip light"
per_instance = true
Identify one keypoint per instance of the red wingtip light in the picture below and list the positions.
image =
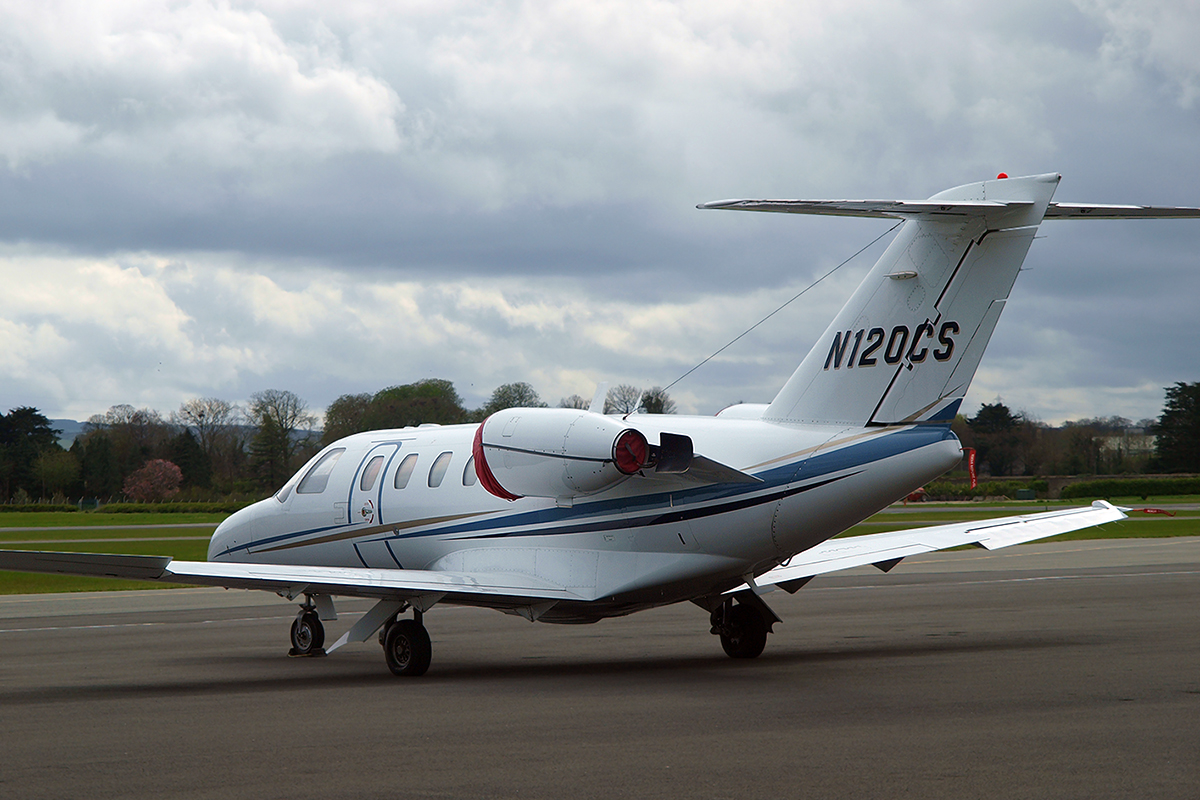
(1002, 176)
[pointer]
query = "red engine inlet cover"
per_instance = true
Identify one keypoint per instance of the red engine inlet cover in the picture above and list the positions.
(630, 451)
(484, 472)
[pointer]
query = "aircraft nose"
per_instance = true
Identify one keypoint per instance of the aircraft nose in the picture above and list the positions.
(234, 535)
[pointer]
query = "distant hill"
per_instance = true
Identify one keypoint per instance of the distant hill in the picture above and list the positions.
(69, 429)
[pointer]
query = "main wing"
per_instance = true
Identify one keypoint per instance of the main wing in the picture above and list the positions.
(885, 550)
(293, 580)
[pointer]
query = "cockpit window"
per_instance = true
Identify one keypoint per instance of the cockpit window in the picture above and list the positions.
(370, 474)
(404, 471)
(318, 477)
(438, 470)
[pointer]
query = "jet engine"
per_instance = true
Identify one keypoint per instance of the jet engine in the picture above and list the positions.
(556, 452)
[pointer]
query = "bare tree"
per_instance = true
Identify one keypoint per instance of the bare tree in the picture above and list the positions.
(219, 427)
(280, 416)
(574, 401)
(285, 409)
(622, 399)
(209, 418)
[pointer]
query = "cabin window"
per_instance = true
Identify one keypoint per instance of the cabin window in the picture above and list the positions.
(318, 477)
(370, 474)
(469, 476)
(404, 471)
(438, 470)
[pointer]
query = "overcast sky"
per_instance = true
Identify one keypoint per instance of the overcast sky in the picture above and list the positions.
(211, 199)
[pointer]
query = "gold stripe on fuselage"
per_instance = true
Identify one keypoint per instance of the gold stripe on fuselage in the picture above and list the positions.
(395, 527)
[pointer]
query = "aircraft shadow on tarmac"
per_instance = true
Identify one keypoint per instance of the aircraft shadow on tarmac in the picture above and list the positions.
(312, 674)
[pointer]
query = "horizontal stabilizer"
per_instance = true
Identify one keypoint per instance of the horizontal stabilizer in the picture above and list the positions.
(881, 548)
(893, 209)
(1093, 211)
(905, 209)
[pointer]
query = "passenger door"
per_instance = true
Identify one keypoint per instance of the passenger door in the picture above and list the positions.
(366, 505)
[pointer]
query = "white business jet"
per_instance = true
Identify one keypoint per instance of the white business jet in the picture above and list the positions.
(571, 516)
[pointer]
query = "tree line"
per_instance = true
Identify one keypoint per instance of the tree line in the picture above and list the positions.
(211, 447)
(1011, 443)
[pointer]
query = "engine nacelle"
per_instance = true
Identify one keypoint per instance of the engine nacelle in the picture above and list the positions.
(555, 452)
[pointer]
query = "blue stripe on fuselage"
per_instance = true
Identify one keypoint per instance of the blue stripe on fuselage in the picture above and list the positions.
(671, 506)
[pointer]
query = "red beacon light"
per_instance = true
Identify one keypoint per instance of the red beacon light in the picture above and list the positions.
(1002, 176)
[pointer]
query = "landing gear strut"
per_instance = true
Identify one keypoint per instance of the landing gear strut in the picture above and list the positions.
(406, 646)
(742, 628)
(308, 634)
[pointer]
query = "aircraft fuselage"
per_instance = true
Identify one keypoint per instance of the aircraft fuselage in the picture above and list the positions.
(411, 499)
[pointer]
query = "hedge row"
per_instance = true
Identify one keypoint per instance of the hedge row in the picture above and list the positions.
(218, 507)
(1133, 487)
(38, 507)
(947, 490)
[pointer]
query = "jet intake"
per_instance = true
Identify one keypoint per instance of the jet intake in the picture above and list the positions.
(556, 452)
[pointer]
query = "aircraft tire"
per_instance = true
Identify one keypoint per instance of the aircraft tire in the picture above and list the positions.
(407, 648)
(745, 632)
(308, 634)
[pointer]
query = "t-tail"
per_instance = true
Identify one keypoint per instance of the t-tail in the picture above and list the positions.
(905, 347)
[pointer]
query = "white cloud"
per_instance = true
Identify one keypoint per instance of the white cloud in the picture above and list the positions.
(145, 81)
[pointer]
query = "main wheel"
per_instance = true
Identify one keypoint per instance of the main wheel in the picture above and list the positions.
(744, 634)
(407, 648)
(308, 634)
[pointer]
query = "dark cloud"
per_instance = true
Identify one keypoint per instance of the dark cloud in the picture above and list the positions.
(333, 200)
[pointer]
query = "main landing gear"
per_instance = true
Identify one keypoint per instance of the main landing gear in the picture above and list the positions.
(743, 627)
(405, 642)
(742, 621)
(406, 646)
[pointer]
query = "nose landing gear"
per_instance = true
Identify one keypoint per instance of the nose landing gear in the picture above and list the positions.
(308, 634)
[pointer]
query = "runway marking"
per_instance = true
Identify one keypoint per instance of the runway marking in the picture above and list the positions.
(135, 624)
(342, 615)
(136, 525)
(123, 539)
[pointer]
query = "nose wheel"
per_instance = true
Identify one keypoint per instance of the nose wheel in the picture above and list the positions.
(308, 634)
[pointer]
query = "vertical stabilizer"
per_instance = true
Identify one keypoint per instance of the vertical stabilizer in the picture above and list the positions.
(906, 345)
